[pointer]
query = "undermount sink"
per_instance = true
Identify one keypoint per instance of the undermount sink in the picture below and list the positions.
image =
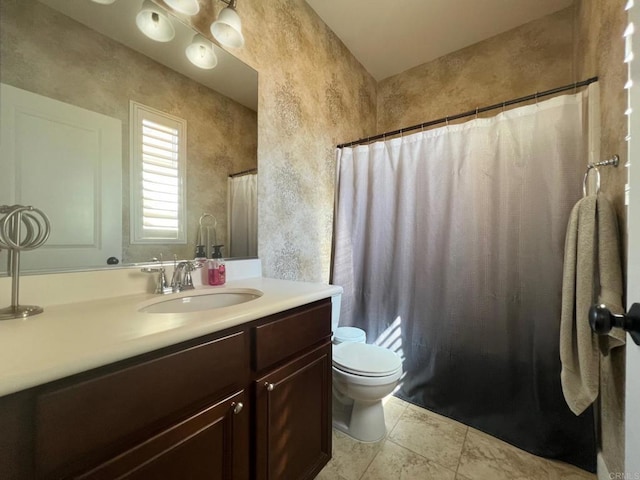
(200, 301)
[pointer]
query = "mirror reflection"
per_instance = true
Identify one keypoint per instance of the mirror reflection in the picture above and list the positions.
(121, 140)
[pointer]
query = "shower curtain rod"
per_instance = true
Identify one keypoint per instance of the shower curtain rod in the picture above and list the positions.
(244, 172)
(470, 113)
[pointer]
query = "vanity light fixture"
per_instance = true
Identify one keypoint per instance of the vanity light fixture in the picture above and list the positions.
(154, 22)
(200, 53)
(227, 29)
(104, 2)
(186, 7)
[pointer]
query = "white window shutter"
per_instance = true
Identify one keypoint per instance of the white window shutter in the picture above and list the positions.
(158, 186)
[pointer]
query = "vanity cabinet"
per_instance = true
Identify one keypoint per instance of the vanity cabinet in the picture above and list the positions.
(293, 395)
(293, 418)
(252, 401)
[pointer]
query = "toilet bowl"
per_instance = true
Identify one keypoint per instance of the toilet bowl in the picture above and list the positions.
(363, 375)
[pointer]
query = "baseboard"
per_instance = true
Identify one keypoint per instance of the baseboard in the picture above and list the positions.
(601, 465)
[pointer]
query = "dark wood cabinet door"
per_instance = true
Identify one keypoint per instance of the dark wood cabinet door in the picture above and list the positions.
(210, 445)
(123, 407)
(293, 418)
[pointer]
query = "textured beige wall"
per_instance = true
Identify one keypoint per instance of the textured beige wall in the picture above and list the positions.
(600, 51)
(313, 94)
(47, 53)
(533, 57)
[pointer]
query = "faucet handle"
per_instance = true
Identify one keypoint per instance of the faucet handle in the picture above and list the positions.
(187, 267)
(187, 282)
(162, 286)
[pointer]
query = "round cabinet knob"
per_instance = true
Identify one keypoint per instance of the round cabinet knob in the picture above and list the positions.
(237, 407)
(269, 386)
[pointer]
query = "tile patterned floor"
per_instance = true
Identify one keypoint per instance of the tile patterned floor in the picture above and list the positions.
(422, 445)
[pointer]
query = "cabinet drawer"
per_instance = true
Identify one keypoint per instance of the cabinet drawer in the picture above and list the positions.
(281, 338)
(85, 421)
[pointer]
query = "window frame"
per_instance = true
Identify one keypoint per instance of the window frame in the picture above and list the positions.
(138, 234)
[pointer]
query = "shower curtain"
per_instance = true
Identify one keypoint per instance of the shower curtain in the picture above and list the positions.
(449, 245)
(242, 208)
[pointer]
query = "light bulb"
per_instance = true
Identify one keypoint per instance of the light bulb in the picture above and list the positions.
(227, 29)
(200, 53)
(153, 22)
(187, 7)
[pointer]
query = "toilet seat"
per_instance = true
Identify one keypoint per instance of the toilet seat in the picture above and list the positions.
(365, 360)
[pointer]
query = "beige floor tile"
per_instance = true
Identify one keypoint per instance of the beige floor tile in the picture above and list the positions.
(556, 470)
(396, 400)
(329, 473)
(393, 410)
(487, 458)
(396, 462)
(423, 445)
(350, 458)
(433, 436)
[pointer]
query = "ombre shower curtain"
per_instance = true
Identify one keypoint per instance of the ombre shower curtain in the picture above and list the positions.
(449, 245)
(242, 209)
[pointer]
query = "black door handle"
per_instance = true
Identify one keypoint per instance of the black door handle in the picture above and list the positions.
(602, 321)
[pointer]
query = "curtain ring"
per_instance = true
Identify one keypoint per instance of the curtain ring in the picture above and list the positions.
(446, 119)
(536, 99)
(476, 113)
(504, 104)
(575, 87)
(400, 133)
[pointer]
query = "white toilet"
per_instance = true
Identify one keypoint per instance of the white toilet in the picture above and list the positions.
(362, 376)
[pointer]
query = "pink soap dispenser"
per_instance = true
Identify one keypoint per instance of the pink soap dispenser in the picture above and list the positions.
(216, 267)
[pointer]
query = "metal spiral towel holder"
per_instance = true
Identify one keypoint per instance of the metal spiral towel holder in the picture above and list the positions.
(200, 237)
(36, 225)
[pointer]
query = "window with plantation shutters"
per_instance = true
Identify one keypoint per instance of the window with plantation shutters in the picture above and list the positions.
(158, 157)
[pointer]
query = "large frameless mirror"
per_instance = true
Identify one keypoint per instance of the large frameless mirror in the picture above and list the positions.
(72, 73)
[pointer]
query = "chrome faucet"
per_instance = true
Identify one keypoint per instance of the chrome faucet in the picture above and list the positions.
(181, 279)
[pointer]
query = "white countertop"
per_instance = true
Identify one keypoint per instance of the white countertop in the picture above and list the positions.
(71, 338)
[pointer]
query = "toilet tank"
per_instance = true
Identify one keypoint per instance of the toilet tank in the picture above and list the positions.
(343, 334)
(336, 301)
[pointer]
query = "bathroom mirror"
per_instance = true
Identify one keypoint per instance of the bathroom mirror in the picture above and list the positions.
(89, 61)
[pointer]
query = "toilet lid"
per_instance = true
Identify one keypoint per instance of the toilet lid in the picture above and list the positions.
(349, 334)
(366, 360)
